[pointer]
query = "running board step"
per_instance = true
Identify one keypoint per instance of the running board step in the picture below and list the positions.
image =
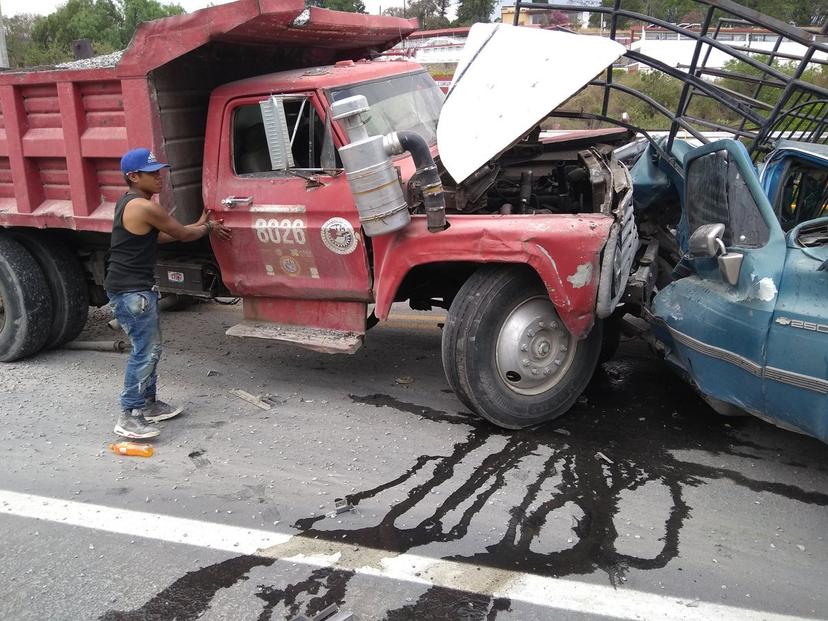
(316, 339)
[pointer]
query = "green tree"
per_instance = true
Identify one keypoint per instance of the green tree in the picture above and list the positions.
(350, 6)
(23, 51)
(133, 12)
(97, 20)
(430, 14)
(473, 11)
(637, 6)
(109, 24)
(816, 74)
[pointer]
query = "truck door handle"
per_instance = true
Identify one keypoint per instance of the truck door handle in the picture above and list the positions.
(233, 201)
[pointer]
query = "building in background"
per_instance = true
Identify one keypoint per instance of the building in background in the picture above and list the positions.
(438, 51)
(677, 50)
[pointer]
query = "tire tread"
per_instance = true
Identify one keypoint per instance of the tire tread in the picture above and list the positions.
(25, 282)
(67, 285)
(483, 289)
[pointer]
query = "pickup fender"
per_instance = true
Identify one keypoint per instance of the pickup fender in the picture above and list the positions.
(563, 249)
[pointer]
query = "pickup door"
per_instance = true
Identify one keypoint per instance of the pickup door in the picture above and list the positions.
(721, 323)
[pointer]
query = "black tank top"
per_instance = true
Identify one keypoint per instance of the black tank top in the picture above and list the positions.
(131, 257)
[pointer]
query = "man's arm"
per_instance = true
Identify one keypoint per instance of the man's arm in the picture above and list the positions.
(172, 230)
(163, 238)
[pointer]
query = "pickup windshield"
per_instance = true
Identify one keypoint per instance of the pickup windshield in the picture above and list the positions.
(404, 102)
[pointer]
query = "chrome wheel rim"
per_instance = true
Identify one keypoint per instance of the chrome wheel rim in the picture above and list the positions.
(534, 349)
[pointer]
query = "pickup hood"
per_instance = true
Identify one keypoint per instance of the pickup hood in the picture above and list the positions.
(508, 80)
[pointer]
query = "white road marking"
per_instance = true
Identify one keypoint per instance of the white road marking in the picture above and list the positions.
(140, 524)
(552, 593)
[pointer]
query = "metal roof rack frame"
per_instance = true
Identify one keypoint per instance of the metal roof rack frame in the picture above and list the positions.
(800, 108)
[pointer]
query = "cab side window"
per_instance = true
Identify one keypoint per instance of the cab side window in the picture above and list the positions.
(804, 196)
(251, 156)
(717, 193)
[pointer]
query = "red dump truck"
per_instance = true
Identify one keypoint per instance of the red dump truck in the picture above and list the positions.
(325, 165)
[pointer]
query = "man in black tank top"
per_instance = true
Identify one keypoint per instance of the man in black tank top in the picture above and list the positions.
(138, 227)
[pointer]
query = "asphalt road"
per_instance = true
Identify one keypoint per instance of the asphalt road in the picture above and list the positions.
(639, 504)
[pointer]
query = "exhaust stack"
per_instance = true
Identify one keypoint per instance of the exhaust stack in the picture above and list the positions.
(374, 183)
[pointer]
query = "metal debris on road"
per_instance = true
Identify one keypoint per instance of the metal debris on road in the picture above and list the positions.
(342, 505)
(600, 455)
(404, 380)
(116, 346)
(246, 396)
(273, 399)
(331, 613)
(197, 457)
(213, 373)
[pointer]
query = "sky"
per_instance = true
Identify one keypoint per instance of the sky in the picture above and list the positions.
(44, 7)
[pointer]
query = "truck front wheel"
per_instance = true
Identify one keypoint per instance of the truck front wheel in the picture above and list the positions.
(25, 303)
(507, 353)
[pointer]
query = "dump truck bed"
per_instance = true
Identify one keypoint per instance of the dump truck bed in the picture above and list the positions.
(63, 129)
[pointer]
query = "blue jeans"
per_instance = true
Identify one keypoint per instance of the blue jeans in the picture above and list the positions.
(137, 312)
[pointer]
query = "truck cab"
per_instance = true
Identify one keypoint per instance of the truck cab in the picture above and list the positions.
(298, 256)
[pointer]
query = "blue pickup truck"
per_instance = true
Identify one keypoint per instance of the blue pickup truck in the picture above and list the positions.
(731, 272)
(747, 321)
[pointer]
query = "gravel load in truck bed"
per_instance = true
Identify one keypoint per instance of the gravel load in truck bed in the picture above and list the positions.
(96, 62)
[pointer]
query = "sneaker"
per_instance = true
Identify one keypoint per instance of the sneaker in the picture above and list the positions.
(133, 425)
(156, 410)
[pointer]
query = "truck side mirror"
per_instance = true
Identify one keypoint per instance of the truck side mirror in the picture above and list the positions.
(276, 131)
(706, 241)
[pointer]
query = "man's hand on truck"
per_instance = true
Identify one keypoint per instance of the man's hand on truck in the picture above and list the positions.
(215, 227)
(142, 214)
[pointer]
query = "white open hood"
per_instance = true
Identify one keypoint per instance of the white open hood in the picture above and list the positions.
(508, 80)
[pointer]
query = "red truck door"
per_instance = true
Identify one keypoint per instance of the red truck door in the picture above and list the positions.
(297, 255)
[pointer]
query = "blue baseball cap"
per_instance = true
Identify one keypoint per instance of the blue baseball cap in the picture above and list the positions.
(140, 160)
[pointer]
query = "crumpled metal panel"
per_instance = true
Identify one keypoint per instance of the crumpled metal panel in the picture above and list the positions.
(564, 250)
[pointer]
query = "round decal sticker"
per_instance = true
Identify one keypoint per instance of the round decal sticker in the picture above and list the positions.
(338, 236)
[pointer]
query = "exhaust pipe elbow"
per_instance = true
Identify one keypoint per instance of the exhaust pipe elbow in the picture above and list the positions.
(433, 197)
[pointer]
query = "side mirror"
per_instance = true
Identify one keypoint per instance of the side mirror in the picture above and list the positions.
(276, 131)
(706, 241)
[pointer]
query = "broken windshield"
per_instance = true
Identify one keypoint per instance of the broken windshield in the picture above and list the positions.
(406, 102)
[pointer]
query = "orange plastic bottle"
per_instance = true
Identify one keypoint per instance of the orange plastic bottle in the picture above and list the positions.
(132, 448)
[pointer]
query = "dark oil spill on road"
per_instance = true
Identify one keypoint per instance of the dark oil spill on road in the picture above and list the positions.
(635, 412)
(332, 584)
(191, 595)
